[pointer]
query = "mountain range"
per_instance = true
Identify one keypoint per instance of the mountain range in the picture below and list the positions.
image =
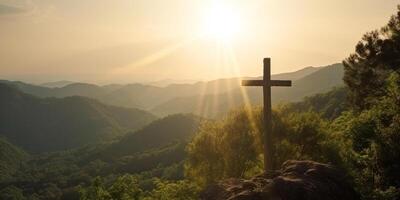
(43, 119)
(209, 99)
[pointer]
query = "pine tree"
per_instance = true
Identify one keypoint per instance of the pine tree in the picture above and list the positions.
(376, 56)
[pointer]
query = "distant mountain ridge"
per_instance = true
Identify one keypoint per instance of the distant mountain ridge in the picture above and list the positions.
(56, 84)
(297, 74)
(163, 100)
(320, 81)
(167, 82)
(51, 124)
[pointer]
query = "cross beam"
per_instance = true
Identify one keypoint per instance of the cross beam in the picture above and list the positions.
(270, 83)
(267, 83)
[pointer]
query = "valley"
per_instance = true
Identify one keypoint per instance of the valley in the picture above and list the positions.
(64, 137)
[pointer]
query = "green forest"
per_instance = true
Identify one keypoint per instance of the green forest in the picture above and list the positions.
(56, 146)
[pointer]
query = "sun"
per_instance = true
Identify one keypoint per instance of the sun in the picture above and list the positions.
(221, 22)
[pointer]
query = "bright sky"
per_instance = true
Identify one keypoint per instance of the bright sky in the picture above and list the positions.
(121, 41)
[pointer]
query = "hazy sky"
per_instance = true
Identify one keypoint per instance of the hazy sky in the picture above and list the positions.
(105, 41)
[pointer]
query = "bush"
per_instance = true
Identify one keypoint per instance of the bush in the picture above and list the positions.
(232, 147)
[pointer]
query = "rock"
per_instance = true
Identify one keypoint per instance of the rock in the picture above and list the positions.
(297, 180)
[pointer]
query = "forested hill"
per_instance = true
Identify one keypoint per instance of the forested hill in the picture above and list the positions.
(155, 151)
(330, 104)
(50, 124)
(11, 158)
(160, 133)
(156, 147)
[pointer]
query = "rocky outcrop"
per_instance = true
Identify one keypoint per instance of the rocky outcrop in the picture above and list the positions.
(297, 180)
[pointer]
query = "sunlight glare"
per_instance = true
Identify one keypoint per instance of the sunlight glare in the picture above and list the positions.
(221, 22)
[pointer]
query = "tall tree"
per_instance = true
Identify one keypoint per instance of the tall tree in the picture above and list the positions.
(376, 56)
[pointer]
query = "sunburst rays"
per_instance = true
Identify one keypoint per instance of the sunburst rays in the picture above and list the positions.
(209, 97)
(154, 57)
(243, 91)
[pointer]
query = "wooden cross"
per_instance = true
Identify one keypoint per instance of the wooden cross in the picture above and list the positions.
(267, 83)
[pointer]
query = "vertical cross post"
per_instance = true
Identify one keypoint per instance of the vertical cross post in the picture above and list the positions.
(267, 83)
(268, 146)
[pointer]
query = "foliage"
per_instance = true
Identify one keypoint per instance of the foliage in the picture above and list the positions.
(231, 147)
(304, 136)
(364, 143)
(372, 129)
(374, 152)
(127, 188)
(11, 157)
(178, 190)
(377, 55)
(11, 193)
(330, 104)
(225, 148)
(56, 175)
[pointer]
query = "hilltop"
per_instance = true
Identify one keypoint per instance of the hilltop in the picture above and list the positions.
(50, 124)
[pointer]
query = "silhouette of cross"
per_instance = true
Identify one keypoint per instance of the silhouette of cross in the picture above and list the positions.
(267, 83)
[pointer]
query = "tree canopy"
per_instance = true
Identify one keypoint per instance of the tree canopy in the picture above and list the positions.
(376, 56)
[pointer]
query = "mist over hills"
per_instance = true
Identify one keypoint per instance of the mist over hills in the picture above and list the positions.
(56, 84)
(166, 82)
(175, 98)
(50, 124)
(216, 105)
